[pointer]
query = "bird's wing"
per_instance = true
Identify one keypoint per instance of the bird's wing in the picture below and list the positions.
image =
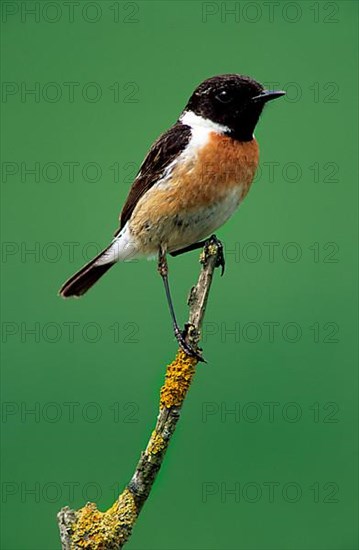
(164, 150)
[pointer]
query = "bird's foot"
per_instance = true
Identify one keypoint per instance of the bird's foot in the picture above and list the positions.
(185, 346)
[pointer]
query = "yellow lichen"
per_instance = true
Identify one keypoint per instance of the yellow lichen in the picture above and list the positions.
(155, 444)
(212, 249)
(95, 530)
(202, 257)
(179, 376)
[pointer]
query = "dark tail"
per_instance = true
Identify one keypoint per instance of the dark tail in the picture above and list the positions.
(84, 279)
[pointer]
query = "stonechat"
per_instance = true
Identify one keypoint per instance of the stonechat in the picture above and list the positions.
(192, 180)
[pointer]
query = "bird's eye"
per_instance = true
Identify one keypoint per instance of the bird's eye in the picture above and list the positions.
(224, 96)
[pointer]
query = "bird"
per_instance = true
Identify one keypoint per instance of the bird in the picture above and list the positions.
(192, 180)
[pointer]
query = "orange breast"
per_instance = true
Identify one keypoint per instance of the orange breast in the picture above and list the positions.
(222, 165)
(219, 173)
(219, 167)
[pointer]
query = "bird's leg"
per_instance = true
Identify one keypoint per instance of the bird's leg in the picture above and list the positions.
(212, 240)
(163, 271)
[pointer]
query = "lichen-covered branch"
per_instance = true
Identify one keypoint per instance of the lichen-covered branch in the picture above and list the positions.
(90, 529)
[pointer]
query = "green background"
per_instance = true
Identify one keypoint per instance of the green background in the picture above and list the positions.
(111, 370)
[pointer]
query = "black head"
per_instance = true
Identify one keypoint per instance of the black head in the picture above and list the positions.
(232, 100)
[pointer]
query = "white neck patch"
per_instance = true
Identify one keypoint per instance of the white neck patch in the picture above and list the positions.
(196, 122)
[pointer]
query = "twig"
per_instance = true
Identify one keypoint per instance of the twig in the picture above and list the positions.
(90, 529)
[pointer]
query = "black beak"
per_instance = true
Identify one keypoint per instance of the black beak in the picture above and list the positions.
(268, 95)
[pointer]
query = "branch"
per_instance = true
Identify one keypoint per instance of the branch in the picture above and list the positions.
(90, 529)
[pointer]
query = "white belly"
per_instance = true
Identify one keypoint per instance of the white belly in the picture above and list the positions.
(197, 225)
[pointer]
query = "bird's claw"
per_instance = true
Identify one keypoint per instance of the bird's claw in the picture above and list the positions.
(186, 347)
(221, 262)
